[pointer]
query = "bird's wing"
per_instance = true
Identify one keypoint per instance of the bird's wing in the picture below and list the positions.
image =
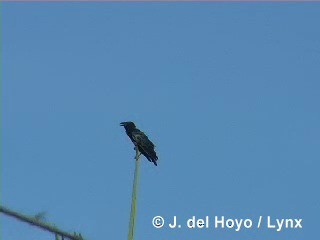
(141, 139)
(145, 144)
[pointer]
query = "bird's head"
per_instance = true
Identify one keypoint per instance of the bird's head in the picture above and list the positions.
(128, 125)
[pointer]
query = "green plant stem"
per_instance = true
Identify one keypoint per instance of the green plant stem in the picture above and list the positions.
(33, 221)
(133, 213)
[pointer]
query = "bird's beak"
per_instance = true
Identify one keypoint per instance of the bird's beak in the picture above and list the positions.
(122, 124)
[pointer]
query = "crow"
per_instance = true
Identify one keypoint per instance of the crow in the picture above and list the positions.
(140, 140)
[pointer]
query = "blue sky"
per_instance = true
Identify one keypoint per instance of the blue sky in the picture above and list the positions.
(229, 94)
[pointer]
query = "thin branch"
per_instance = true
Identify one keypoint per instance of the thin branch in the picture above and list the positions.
(45, 226)
(134, 196)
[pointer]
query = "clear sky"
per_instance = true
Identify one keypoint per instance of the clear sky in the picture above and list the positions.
(228, 92)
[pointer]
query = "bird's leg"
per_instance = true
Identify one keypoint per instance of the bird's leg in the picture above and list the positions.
(138, 153)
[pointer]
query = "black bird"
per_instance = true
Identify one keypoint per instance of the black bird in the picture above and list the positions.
(140, 140)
